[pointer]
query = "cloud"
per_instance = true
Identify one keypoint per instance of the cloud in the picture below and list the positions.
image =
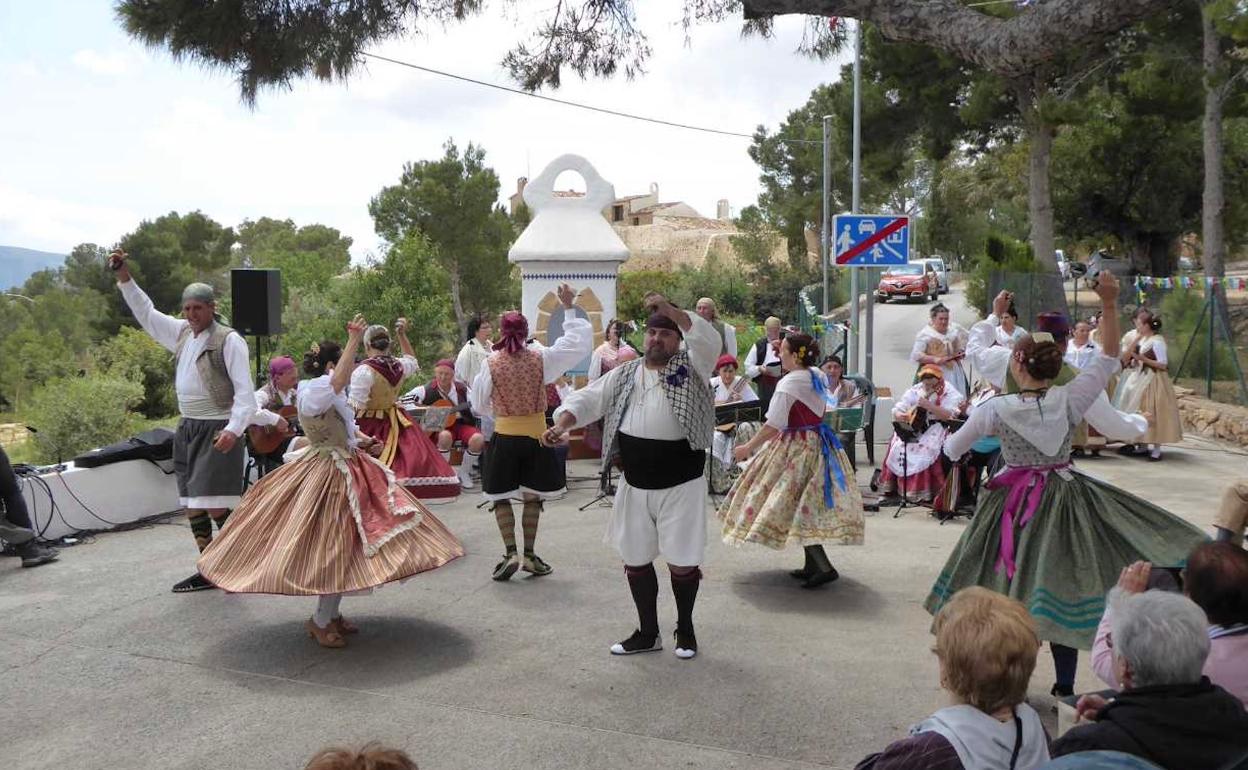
(111, 63)
(54, 224)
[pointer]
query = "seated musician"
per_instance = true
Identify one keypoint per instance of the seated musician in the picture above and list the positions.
(985, 453)
(917, 467)
(276, 399)
(445, 390)
(730, 388)
(841, 392)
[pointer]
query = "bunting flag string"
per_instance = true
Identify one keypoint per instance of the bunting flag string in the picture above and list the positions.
(1234, 283)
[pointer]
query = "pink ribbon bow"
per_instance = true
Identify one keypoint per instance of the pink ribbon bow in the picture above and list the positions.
(1024, 482)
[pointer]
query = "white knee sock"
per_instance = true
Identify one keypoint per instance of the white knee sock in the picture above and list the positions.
(326, 609)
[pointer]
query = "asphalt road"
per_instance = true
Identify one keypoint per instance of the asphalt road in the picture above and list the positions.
(104, 667)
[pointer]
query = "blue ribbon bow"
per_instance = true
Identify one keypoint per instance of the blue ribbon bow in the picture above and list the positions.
(828, 441)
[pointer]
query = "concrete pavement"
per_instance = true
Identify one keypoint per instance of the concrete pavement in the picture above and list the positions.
(105, 667)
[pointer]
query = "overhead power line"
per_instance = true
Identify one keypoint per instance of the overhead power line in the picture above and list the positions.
(579, 105)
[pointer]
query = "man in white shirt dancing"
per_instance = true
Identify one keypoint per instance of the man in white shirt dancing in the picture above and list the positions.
(215, 400)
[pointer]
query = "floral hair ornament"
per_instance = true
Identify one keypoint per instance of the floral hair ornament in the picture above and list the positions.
(315, 349)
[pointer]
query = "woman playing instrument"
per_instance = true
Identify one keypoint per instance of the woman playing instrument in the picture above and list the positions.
(800, 488)
(1043, 533)
(841, 392)
(915, 467)
(406, 449)
(942, 343)
(612, 352)
(1145, 384)
(730, 388)
(332, 520)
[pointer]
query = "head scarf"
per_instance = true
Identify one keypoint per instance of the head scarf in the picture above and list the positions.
(279, 365)
(448, 363)
(199, 292)
(514, 330)
(931, 370)
(660, 321)
(724, 360)
(1056, 324)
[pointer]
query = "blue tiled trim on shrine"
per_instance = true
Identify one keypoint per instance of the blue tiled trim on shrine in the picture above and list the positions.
(568, 276)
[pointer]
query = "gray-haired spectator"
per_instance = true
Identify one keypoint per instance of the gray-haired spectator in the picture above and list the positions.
(1168, 712)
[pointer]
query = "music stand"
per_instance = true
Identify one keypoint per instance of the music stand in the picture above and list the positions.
(606, 487)
(907, 435)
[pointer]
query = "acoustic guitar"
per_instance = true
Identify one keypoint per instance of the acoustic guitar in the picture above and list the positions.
(453, 416)
(266, 439)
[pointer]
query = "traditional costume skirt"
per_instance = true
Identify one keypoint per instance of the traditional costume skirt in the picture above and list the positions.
(411, 454)
(1152, 392)
(1057, 540)
(923, 464)
(799, 489)
(207, 479)
(330, 522)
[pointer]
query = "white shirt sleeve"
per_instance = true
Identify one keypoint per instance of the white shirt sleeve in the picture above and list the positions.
(919, 350)
(1082, 391)
(361, 384)
(730, 339)
(1113, 424)
(748, 393)
(162, 328)
(753, 367)
(481, 393)
(418, 392)
(316, 396)
(410, 365)
(704, 345)
(595, 366)
(978, 425)
(778, 410)
(589, 404)
(262, 415)
(568, 350)
(462, 364)
(1159, 350)
(908, 401)
(991, 361)
(237, 366)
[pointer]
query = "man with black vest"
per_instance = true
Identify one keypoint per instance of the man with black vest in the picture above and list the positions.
(446, 389)
(660, 415)
(762, 363)
(215, 400)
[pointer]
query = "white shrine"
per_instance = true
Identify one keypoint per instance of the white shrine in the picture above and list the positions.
(568, 241)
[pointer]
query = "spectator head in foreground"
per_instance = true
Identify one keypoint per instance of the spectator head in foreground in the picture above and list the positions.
(987, 645)
(1168, 712)
(1216, 578)
(372, 757)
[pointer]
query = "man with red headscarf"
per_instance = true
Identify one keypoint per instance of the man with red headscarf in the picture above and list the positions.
(445, 388)
(511, 388)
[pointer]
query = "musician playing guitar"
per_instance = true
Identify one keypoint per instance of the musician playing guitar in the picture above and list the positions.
(461, 426)
(729, 388)
(270, 431)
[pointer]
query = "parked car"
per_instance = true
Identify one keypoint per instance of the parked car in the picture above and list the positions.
(1101, 261)
(1187, 265)
(1063, 267)
(914, 280)
(942, 272)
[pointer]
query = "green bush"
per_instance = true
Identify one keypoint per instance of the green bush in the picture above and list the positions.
(1015, 259)
(1180, 313)
(78, 413)
(134, 356)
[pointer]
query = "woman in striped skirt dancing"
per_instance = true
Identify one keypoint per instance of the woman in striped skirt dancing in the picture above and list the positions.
(333, 521)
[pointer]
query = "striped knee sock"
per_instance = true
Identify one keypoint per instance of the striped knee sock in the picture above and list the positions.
(201, 528)
(506, 519)
(532, 511)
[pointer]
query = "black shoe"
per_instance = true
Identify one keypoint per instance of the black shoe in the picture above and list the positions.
(196, 582)
(507, 567)
(534, 565)
(686, 644)
(800, 574)
(34, 554)
(1061, 691)
(636, 643)
(819, 578)
(1127, 450)
(1077, 452)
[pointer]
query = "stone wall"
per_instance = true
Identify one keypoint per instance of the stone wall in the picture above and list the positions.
(1228, 422)
(13, 433)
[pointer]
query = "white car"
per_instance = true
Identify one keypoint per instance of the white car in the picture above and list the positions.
(942, 272)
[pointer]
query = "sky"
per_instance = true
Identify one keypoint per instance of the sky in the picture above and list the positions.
(101, 133)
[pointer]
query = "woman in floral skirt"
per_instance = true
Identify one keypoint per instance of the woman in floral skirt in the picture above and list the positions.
(332, 521)
(800, 488)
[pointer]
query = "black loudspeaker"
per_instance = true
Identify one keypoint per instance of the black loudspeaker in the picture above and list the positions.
(256, 296)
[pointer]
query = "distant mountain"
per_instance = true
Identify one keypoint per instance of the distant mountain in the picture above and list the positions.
(18, 264)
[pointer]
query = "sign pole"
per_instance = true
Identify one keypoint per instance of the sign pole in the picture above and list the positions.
(869, 321)
(825, 238)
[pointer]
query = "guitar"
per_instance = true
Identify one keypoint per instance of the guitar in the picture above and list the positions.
(266, 439)
(453, 417)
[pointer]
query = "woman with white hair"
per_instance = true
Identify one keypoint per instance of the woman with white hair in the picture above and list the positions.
(1168, 712)
(374, 393)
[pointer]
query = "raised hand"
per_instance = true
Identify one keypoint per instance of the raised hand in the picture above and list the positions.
(356, 326)
(1001, 303)
(400, 327)
(1134, 577)
(565, 294)
(117, 263)
(1107, 286)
